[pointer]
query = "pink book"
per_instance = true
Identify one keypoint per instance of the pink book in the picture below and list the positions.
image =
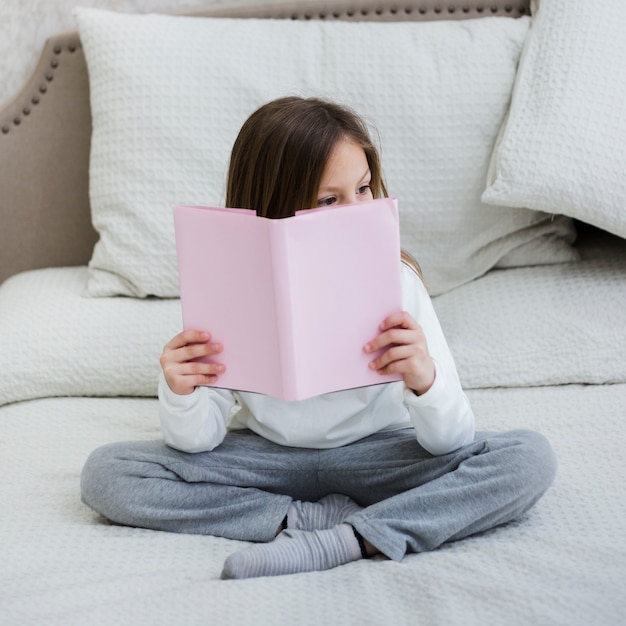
(292, 300)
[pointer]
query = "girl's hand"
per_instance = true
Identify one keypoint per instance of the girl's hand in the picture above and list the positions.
(405, 352)
(181, 372)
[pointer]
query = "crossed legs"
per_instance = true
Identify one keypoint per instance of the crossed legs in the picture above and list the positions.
(399, 497)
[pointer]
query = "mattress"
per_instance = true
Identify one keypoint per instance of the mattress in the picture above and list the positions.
(543, 325)
(563, 563)
(540, 348)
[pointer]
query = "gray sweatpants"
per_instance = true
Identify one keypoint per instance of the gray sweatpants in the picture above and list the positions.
(413, 501)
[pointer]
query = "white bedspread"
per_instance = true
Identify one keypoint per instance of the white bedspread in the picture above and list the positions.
(545, 325)
(564, 563)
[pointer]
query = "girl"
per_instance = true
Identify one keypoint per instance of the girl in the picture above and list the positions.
(392, 468)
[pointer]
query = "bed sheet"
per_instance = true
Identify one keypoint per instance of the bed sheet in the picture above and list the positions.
(563, 563)
(545, 325)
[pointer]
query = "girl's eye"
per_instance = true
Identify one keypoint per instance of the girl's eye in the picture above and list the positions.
(327, 201)
(364, 189)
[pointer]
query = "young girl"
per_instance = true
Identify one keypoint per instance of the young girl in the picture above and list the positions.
(392, 468)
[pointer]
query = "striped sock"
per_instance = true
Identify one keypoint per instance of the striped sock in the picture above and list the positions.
(325, 513)
(295, 551)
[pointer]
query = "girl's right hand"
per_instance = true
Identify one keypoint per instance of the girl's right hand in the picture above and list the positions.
(182, 373)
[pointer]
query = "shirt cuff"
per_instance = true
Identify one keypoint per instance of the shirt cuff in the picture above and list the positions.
(175, 400)
(411, 399)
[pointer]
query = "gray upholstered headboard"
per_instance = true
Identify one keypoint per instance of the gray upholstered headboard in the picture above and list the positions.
(45, 130)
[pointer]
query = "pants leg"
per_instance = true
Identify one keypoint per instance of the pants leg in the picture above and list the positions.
(240, 490)
(415, 501)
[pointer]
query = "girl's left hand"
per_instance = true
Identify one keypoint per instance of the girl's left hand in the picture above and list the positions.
(405, 352)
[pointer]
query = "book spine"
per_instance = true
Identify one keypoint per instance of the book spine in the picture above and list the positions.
(283, 307)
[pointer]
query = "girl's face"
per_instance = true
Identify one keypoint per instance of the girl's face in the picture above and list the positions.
(346, 178)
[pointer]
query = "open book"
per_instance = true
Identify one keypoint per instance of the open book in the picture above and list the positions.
(293, 300)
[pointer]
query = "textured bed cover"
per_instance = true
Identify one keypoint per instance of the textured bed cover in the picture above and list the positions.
(564, 563)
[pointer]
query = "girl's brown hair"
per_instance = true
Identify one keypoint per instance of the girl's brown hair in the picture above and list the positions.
(279, 156)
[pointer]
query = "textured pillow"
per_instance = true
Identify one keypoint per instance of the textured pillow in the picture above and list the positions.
(54, 342)
(169, 95)
(563, 148)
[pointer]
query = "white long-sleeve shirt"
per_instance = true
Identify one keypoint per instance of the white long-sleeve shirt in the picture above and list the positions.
(442, 417)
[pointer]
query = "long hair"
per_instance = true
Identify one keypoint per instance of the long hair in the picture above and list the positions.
(279, 156)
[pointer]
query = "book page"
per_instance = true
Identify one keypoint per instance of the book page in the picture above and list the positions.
(226, 287)
(345, 278)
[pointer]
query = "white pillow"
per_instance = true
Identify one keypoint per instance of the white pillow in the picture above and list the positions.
(563, 148)
(54, 342)
(169, 95)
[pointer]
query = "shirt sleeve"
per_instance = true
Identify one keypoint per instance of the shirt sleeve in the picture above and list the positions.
(442, 417)
(195, 422)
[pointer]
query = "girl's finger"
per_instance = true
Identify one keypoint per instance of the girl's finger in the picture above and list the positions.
(400, 319)
(200, 368)
(188, 337)
(394, 336)
(198, 350)
(392, 355)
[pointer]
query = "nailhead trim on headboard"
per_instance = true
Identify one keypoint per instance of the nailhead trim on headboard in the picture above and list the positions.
(46, 77)
(440, 11)
(379, 10)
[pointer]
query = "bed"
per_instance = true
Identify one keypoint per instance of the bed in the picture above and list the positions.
(502, 136)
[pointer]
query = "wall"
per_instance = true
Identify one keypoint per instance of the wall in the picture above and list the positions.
(26, 24)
